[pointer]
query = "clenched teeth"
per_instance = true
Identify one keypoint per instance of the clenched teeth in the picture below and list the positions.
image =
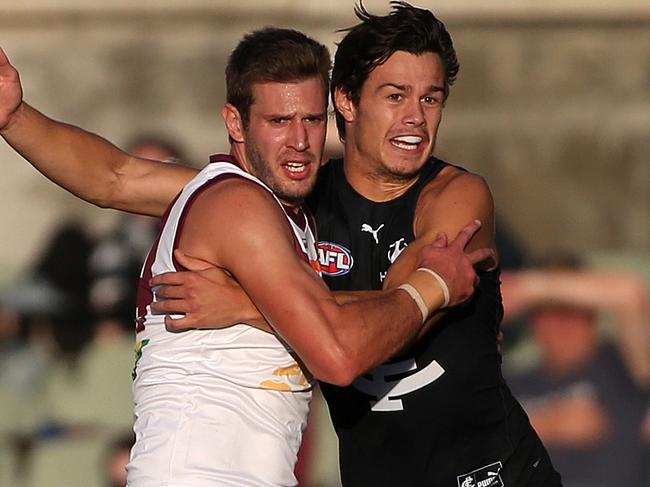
(407, 142)
(409, 139)
(295, 166)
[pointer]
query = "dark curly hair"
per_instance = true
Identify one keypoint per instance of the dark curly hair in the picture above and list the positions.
(371, 42)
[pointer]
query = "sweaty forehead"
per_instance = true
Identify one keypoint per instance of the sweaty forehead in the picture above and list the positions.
(307, 96)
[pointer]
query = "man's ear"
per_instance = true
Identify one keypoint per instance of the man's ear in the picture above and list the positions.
(344, 104)
(234, 122)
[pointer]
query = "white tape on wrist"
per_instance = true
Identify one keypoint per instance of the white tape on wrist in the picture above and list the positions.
(441, 281)
(417, 297)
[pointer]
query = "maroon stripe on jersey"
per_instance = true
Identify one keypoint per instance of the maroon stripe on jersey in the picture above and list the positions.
(301, 217)
(210, 183)
(297, 215)
(144, 295)
(188, 204)
(225, 158)
(298, 248)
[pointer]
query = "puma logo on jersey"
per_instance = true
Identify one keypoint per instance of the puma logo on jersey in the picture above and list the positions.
(375, 233)
(395, 249)
(388, 392)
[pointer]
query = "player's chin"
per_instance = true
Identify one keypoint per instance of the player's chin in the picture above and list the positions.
(296, 193)
(404, 171)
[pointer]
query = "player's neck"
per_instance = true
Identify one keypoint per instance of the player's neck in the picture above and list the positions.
(372, 181)
(239, 154)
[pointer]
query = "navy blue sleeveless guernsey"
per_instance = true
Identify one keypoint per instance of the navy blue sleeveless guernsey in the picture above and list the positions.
(440, 413)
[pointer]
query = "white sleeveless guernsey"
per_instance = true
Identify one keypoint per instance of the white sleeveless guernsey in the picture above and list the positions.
(214, 407)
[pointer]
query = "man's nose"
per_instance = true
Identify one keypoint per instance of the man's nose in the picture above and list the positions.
(414, 113)
(299, 137)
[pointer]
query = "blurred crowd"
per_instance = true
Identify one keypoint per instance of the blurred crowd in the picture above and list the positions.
(577, 355)
(66, 351)
(576, 347)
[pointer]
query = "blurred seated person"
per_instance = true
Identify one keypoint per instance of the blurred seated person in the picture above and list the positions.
(117, 259)
(588, 395)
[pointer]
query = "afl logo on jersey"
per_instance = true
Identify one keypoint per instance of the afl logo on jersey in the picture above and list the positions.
(335, 260)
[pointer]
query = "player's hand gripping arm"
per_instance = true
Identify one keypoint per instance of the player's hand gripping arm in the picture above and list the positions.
(85, 164)
(336, 342)
(208, 297)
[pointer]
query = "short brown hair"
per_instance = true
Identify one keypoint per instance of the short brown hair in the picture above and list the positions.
(273, 55)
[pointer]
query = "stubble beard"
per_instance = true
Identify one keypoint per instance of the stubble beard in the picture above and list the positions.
(398, 176)
(262, 170)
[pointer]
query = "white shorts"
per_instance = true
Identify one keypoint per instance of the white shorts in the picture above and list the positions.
(202, 431)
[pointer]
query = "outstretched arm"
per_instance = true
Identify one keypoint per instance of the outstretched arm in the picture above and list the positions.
(85, 164)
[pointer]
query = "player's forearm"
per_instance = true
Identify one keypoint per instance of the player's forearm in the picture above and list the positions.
(387, 330)
(81, 162)
(92, 168)
(389, 323)
(368, 331)
(343, 297)
(347, 340)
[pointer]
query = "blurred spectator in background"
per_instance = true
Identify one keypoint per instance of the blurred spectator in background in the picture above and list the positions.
(22, 362)
(47, 309)
(61, 276)
(512, 252)
(66, 349)
(117, 259)
(588, 395)
(45, 323)
(117, 456)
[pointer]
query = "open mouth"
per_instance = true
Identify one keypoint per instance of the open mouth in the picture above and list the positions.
(296, 167)
(407, 142)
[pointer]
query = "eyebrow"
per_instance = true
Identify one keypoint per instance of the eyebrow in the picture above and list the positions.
(407, 88)
(316, 114)
(289, 115)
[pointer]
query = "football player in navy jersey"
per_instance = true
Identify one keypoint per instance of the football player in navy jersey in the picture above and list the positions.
(439, 413)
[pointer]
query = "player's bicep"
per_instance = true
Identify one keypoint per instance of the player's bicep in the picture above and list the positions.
(465, 198)
(147, 187)
(289, 293)
(251, 238)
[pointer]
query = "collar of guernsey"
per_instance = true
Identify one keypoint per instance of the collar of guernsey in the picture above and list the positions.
(298, 217)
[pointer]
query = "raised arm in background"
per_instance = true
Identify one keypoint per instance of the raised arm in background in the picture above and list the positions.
(623, 295)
